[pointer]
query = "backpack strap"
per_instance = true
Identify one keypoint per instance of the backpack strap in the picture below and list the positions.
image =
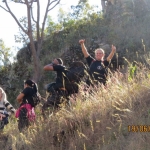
(92, 62)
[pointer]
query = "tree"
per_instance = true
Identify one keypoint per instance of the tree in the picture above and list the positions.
(4, 54)
(28, 28)
(81, 10)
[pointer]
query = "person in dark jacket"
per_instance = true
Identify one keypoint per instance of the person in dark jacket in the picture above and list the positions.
(98, 65)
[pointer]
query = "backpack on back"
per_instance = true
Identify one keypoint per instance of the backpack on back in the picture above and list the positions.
(75, 72)
(36, 99)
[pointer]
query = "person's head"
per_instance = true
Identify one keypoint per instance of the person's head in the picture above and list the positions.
(57, 61)
(99, 54)
(30, 83)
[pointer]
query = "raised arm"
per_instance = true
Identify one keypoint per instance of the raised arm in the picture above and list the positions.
(84, 50)
(48, 67)
(113, 50)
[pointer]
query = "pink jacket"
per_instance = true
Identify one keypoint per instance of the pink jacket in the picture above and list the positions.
(30, 112)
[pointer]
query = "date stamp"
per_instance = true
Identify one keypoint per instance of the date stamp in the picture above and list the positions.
(138, 128)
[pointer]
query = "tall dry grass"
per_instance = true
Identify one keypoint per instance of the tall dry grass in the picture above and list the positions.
(97, 120)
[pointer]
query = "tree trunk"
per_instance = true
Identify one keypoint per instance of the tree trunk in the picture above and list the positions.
(29, 30)
(36, 62)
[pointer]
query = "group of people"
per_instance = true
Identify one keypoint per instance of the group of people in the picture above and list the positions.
(25, 113)
(97, 66)
(98, 71)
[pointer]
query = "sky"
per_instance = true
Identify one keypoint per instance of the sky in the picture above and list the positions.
(8, 27)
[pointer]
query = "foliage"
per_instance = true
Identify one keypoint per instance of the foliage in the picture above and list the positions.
(5, 54)
(119, 26)
(104, 119)
(100, 118)
(31, 27)
(132, 71)
(22, 37)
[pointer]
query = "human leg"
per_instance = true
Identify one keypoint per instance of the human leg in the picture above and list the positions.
(23, 121)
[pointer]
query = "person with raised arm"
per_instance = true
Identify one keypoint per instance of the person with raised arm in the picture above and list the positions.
(98, 66)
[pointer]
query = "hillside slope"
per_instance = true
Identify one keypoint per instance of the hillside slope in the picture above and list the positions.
(116, 117)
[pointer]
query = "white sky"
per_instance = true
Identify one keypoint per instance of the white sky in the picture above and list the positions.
(8, 27)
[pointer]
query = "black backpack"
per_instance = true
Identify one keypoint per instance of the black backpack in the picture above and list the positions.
(36, 99)
(75, 72)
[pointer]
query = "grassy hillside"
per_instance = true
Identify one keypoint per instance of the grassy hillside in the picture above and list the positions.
(125, 25)
(116, 117)
(112, 118)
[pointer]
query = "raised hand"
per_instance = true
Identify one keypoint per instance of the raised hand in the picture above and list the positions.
(113, 48)
(81, 41)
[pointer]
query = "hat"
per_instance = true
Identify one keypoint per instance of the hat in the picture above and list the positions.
(60, 61)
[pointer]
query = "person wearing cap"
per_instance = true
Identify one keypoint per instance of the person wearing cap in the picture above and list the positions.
(56, 65)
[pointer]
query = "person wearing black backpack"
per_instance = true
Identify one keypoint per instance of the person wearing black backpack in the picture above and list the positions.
(55, 89)
(59, 68)
(98, 67)
(26, 113)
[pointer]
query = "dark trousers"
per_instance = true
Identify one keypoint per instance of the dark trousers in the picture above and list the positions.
(4, 121)
(54, 87)
(23, 121)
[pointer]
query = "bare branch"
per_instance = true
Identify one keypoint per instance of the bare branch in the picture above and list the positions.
(44, 20)
(38, 19)
(28, 16)
(54, 5)
(20, 1)
(33, 1)
(32, 15)
(4, 8)
(50, 3)
(30, 32)
(9, 10)
(45, 16)
(24, 38)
